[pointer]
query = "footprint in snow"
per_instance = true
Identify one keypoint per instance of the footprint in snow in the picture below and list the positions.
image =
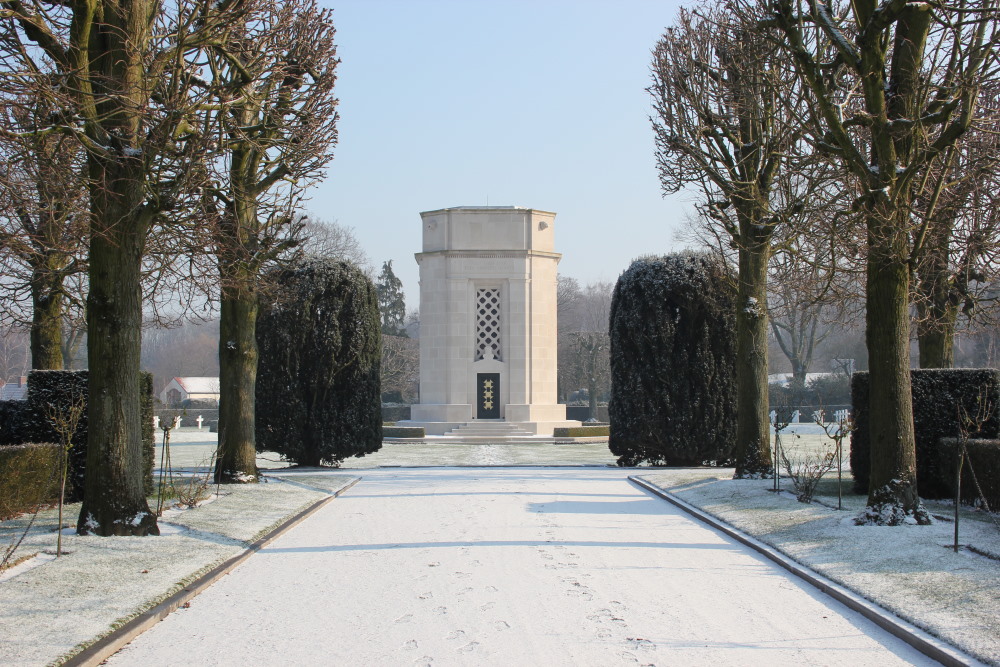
(424, 661)
(426, 596)
(440, 610)
(468, 648)
(487, 606)
(456, 634)
(492, 589)
(410, 645)
(501, 625)
(406, 618)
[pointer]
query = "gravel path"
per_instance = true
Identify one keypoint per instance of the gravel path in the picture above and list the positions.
(509, 566)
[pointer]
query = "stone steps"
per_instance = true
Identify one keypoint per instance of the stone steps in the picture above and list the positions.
(489, 430)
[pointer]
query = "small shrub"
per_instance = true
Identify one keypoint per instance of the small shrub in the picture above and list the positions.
(580, 431)
(29, 477)
(806, 473)
(403, 432)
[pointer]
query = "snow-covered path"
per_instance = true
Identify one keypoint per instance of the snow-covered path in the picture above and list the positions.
(509, 566)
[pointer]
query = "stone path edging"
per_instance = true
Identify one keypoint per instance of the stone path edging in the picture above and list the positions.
(919, 639)
(108, 645)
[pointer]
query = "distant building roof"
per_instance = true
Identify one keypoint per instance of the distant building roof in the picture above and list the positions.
(199, 385)
(784, 378)
(14, 391)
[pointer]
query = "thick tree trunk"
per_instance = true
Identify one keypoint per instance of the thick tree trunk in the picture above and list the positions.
(46, 320)
(114, 502)
(892, 491)
(753, 433)
(237, 461)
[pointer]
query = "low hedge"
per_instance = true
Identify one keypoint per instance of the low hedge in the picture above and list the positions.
(580, 431)
(984, 457)
(29, 477)
(403, 432)
(938, 395)
(23, 422)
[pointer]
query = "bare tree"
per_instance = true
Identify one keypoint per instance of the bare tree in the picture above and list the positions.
(122, 71)
(958, 202)
(727, 120)
(892, 86)
(42, 221)
(276, 116)
(325, 238)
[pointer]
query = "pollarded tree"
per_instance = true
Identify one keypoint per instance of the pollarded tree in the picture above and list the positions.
(43, 222)
(122, 70)
(892, 86)
(960, 238)
(318, 395)
(727, 121)
(274, 78)
(673, 345)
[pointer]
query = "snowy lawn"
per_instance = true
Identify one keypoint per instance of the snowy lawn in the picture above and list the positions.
(910, 570)
(50, 608)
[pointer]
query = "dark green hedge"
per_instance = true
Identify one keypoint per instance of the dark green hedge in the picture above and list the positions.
(673, 378)
(318, 378)
(27, 421)
(580, 431)
(403, 432)
(29, 476)
(938, 396)
(984, 455)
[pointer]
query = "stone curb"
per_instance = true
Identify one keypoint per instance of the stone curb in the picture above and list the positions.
(922, 641)
(108, 645)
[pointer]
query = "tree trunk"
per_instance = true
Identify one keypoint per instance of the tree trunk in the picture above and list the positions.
(237, 461)
(46, 320)
(937, 305)
(114, 502)
(753, 433)
(892, 491)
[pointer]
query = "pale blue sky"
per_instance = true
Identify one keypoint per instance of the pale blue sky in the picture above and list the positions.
(473, 102)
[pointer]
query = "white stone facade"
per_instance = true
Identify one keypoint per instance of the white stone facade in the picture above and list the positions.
(488, 306)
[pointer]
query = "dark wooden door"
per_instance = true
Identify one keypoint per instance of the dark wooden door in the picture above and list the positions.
(488, 396)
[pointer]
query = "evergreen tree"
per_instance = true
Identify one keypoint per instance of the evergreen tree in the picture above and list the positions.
(673, 349)
(318, 375)
(391, 304)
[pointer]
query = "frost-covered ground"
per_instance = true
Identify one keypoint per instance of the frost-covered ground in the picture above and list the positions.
(910, 570)
(46, 611)
(48, 606)
(510, 566)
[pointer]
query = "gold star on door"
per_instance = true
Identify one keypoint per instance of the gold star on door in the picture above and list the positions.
(488, 394)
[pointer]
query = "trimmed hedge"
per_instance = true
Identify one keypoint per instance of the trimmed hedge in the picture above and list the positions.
(938, 395)
(984, 455)
(16, 419)
(318, 378)
(403, 432)
(395, 413)
(580, 431)
(673, 379)
(23, 422)
(29, 477)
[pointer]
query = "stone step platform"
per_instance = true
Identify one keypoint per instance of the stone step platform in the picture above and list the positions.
(484, 429)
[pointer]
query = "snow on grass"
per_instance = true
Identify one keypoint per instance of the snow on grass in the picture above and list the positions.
(57, 608)
(910, 570)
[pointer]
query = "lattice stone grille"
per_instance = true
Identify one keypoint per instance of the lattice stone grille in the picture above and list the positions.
(488, 324)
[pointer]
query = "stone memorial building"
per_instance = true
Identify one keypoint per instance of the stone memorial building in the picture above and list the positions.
(488, 323)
